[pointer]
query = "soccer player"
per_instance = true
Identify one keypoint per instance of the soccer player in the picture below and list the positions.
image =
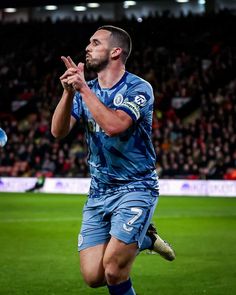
(117, 110)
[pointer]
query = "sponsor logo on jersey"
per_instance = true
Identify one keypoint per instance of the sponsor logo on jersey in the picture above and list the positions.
(133, 108)
(118, 99)
(93, 126)
(140, 100)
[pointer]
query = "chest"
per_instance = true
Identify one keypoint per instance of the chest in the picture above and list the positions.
(111, 98)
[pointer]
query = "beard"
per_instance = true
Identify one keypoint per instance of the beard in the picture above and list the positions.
(97, 65)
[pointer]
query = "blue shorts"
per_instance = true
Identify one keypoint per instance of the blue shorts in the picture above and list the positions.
(122, 214)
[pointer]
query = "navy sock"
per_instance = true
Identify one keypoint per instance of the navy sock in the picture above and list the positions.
(124, 288)
(146, 244)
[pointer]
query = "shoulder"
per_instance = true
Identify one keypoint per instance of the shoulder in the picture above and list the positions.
(132, 78)
(134, 81)
(137, 84)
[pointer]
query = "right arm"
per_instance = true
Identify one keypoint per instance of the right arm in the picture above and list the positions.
(62, 121)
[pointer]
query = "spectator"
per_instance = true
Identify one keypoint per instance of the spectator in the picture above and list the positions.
(196, 140)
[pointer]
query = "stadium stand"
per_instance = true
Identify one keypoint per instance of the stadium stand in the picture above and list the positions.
(190, 61)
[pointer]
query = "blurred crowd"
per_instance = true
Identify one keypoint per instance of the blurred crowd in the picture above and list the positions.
(190, 62)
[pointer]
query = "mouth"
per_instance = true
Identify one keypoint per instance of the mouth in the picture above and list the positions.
(87, 57)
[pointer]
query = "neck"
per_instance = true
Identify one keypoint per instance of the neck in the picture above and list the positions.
(110, 76)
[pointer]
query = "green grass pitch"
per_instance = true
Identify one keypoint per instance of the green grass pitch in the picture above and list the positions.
(38, 247)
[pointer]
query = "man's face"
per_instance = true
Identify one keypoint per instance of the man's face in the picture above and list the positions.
(98, 51)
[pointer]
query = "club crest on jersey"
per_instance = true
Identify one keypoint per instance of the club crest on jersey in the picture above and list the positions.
(118, 99)
(140, 100)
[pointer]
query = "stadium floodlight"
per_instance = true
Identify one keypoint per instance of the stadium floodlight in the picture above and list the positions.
(51, 7)
(10, 10)
(80, 8)
(202, 2)
(93, 5)
(130, 3)
(182, 1)
(127, 4)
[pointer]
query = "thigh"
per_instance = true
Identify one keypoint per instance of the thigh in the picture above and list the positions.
(123, 254)
(91, 265)
(132, 216)
(118, 259)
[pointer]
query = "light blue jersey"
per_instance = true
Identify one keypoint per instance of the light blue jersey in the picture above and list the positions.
(128, 158)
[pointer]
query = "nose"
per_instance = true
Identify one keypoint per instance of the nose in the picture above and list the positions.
(88, 48)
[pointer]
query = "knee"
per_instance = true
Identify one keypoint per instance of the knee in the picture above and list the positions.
(93, 280)
(114, 273)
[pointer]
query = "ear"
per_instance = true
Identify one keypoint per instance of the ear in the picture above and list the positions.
(116, 52)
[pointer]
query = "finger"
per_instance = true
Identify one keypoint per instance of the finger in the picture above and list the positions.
(64, 81)
(64, 76)
(81, 66)
(69, 72)
(73, 65)
(72, 79)
(66, 62)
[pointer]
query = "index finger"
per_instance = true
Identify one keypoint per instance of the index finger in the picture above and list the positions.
(66, 62)
(73, 65)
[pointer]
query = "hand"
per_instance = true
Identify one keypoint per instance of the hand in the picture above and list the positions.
(73, 79)
(65, 79)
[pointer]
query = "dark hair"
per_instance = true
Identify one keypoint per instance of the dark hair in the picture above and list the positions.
(120, 38)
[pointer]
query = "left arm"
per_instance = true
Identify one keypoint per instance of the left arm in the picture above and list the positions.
(113, 122)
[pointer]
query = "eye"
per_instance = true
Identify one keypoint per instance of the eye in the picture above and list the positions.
(95, 42)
